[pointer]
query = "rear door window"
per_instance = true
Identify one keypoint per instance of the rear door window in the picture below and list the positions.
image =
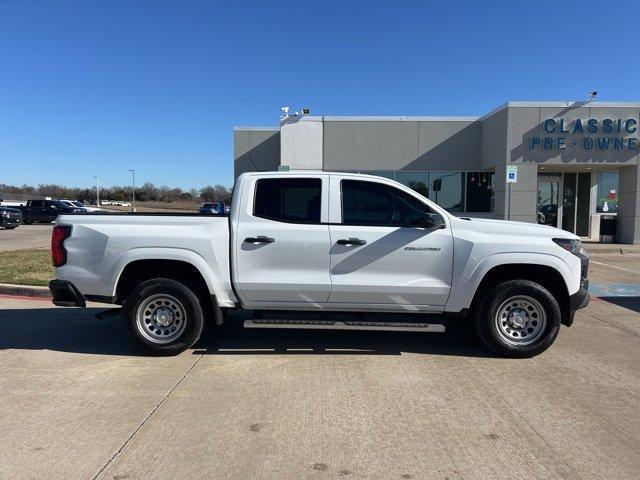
(291, 200)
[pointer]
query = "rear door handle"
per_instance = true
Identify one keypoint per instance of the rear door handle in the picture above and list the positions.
(259, 239)
(351, 241)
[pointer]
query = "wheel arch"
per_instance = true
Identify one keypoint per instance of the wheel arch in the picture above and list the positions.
(545, 275)
(140, 270)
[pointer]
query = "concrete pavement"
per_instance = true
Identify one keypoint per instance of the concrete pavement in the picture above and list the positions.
(78, 402)
(26, 237)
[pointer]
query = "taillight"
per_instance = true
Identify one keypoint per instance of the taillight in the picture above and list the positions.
(58, 253)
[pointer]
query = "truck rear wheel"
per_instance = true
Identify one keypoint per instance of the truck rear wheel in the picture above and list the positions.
(163, 316)
(518, 319)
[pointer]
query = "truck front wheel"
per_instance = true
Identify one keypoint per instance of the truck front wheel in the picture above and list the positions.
(163, 316)
(518, 319)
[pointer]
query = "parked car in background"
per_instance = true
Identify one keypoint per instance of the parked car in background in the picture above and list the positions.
(45, 211)
(76, 204)
(10, 217)
(215, 208)
(105, 202)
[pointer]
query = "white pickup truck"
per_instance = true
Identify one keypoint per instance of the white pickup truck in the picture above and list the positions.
(338, 244)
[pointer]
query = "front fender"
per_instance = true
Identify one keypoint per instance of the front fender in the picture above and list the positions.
(465, 286)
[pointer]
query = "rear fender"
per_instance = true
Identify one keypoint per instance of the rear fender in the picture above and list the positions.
(215, 278)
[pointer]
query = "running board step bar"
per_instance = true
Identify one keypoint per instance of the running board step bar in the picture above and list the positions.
(346, 325)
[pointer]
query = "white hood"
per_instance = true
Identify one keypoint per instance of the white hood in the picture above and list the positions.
(487, 225)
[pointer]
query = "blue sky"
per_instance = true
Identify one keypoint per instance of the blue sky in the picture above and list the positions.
(97, 87)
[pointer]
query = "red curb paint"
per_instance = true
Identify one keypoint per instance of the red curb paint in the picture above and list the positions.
(24, 297)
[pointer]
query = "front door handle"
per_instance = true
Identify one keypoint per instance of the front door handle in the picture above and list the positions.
(259, 239)
(351, 241)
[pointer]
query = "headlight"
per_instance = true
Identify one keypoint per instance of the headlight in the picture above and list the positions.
(569, 245)
(5, 213)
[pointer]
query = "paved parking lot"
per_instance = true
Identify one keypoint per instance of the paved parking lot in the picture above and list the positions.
(78, 402)
(26, 237)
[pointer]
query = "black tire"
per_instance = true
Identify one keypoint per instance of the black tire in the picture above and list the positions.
(11, 228)
(184, 310)
(508, 339)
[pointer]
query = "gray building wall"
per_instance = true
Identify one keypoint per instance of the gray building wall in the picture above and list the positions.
(370, 144)
(255, 147)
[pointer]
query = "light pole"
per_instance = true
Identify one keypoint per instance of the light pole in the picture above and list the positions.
(97, 191)
(133, 190)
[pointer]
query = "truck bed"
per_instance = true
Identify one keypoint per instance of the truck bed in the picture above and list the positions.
(103, 243)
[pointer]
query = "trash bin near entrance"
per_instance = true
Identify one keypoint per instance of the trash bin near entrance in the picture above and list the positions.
(608, 226)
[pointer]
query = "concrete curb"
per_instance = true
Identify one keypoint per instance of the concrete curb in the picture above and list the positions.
(24, 290)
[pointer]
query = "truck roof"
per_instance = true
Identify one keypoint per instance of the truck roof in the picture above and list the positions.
(306, 172)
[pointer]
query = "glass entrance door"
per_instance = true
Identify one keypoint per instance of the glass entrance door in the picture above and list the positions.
(549, 187)
(576, 203)
(564, 201)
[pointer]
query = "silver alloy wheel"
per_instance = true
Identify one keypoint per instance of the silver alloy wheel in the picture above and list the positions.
(520, 320)
(161, 318)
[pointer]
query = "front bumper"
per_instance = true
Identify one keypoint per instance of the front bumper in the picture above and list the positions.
(581, 298)
(9, 222)
(65, 294)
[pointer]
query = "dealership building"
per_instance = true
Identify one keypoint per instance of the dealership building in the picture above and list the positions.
(576, 162)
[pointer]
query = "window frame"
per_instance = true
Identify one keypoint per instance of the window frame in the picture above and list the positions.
(430, 209)
(280, 220)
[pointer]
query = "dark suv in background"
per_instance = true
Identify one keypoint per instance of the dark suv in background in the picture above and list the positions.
(215, 208)
(10, 217)
(45, 211)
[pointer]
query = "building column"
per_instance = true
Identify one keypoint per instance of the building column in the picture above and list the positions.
(524, 194)
(629, 205)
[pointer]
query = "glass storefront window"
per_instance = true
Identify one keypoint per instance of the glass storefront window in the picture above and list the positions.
(447, 189)
(479, 191)
(418, 181)
(607, 192)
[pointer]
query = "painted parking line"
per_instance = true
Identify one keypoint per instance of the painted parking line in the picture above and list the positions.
(615, 289)
(613, 266)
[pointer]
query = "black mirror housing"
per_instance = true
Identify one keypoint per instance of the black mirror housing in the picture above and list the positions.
(430, 220)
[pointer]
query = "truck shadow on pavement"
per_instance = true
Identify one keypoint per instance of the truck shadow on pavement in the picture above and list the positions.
(630, 303)
(78, 331)
(232, 339)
